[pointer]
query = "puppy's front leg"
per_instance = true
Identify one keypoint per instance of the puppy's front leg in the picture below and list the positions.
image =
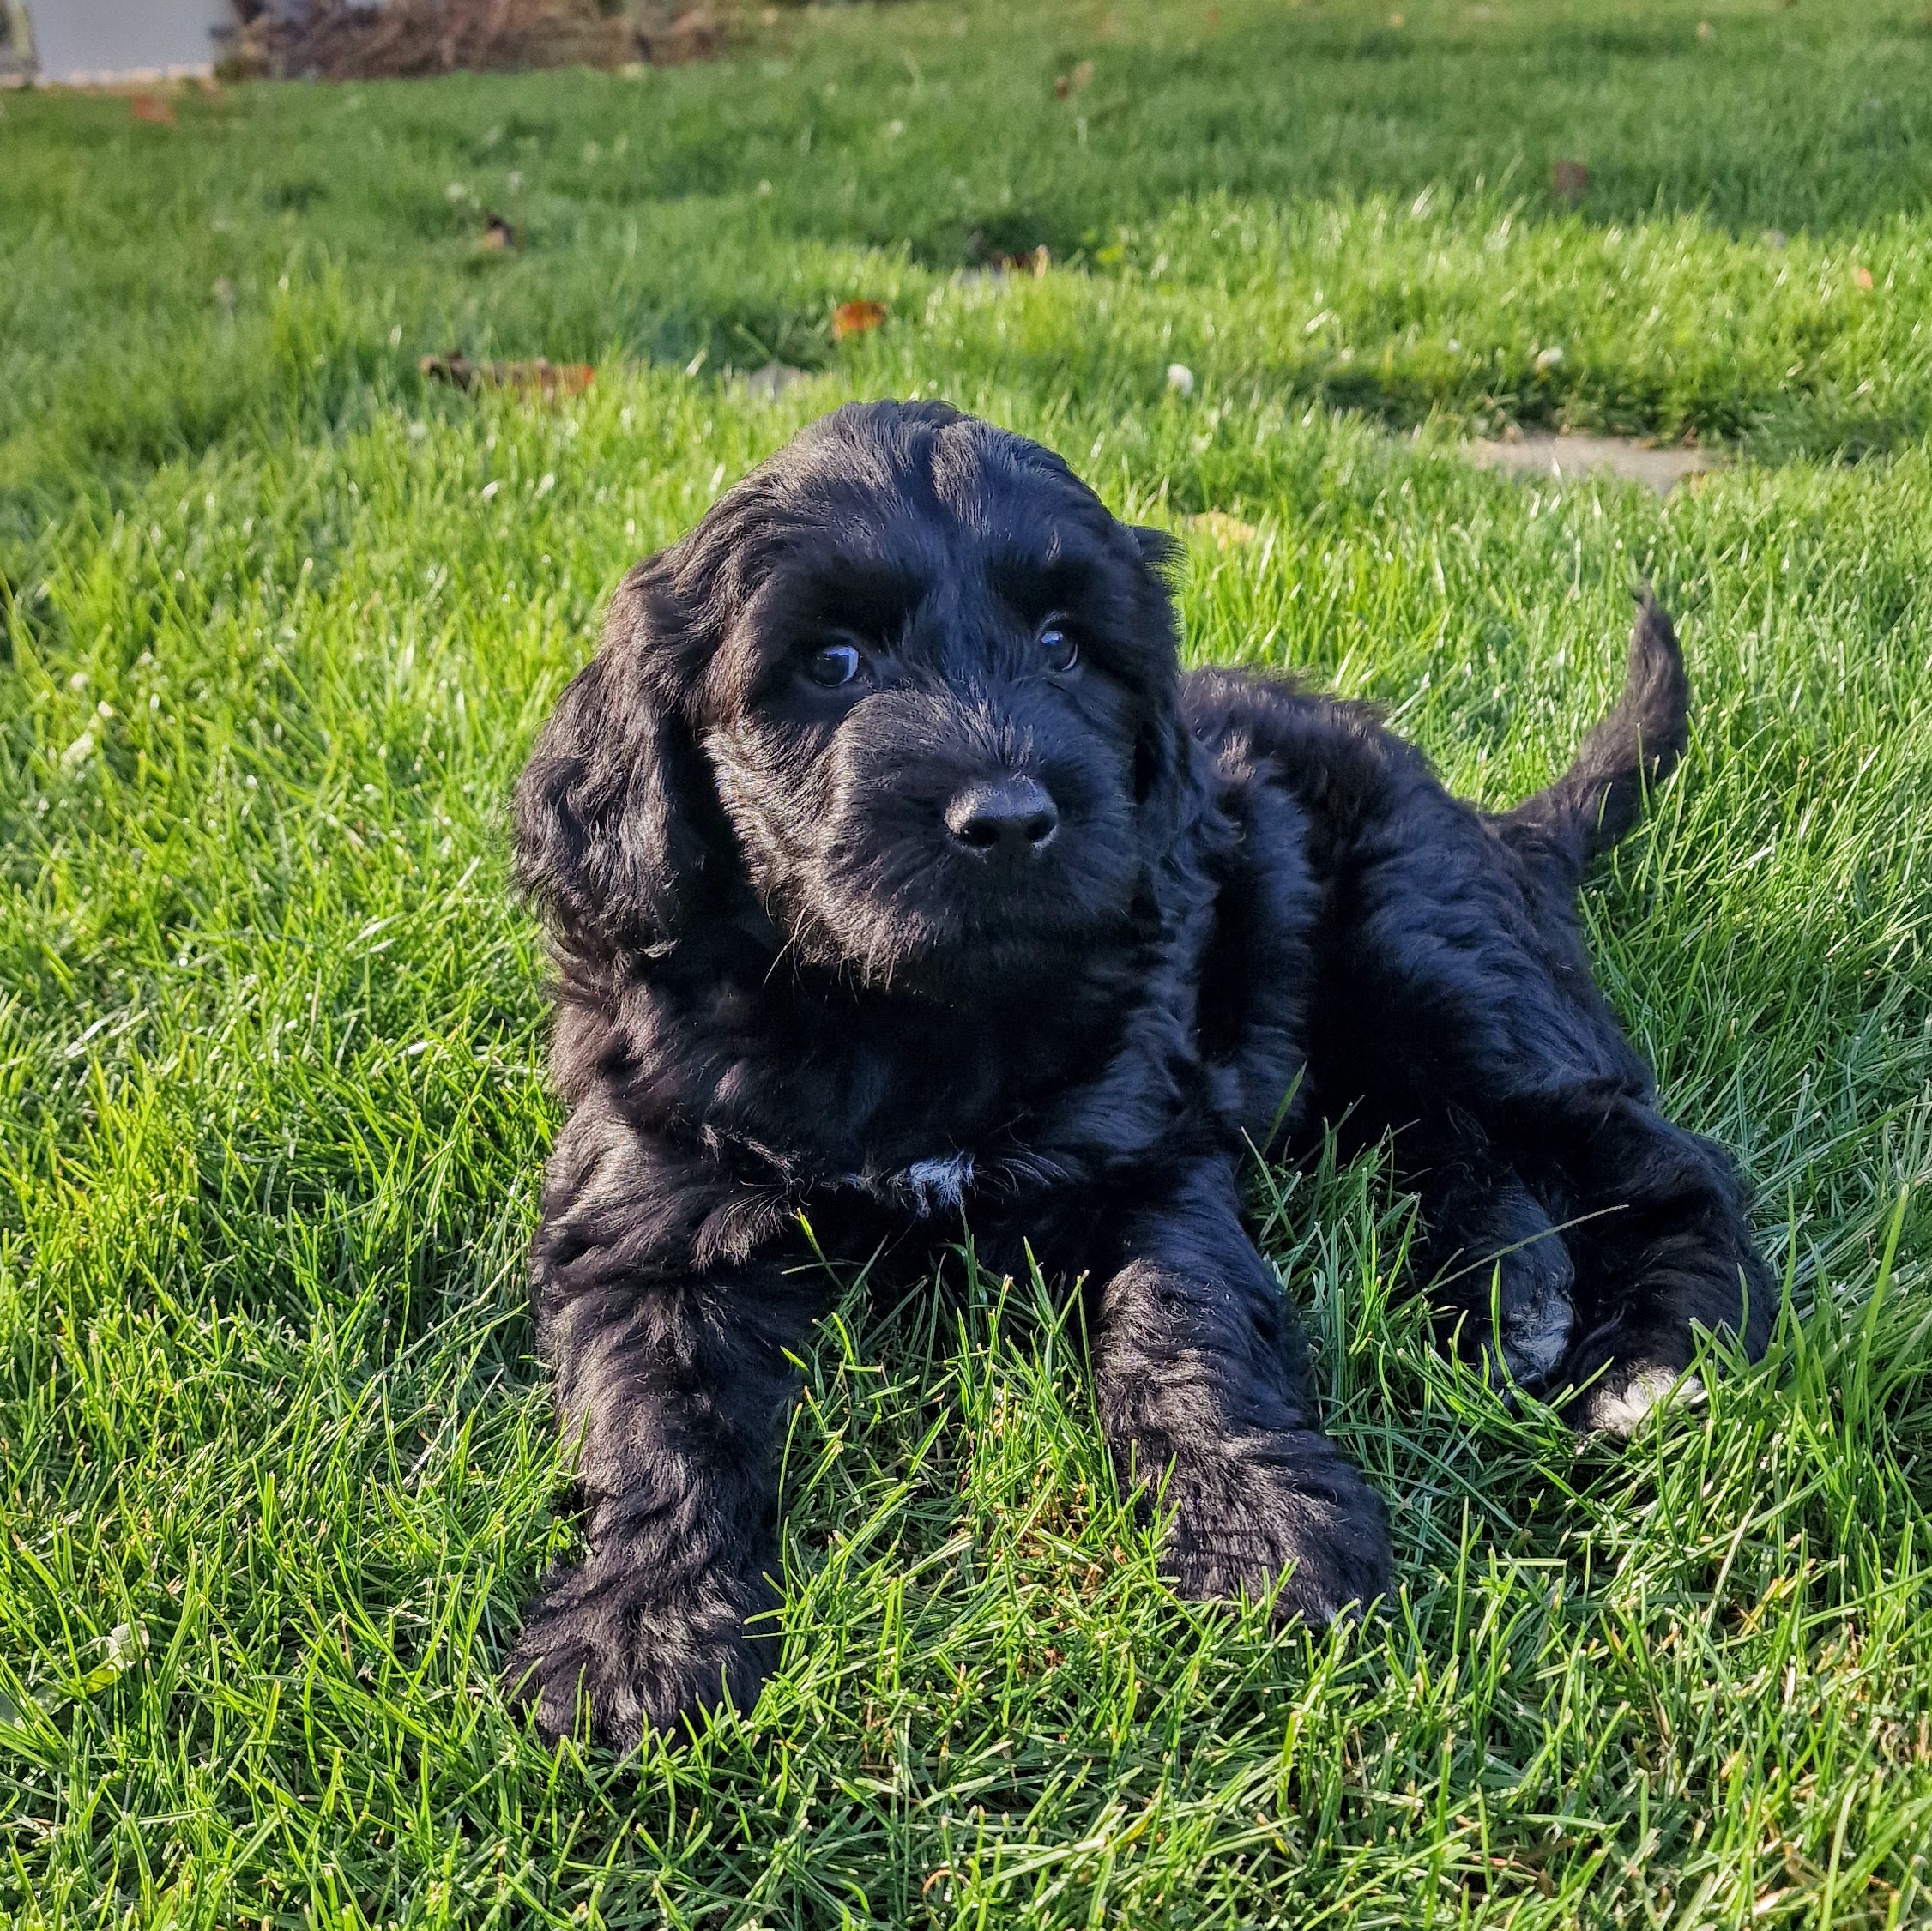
(1203, 1395)
(676, 1389)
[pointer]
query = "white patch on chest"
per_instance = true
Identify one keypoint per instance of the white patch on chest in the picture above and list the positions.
(939, 1185)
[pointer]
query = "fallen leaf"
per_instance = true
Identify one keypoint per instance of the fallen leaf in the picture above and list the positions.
(1072, 82)
(541, 377)
(1397, 20)
(123, 1645)
(856, 318)
(151, 108)
(497, 234)
(1705, 31)
(1569, 181)
(1862, 277)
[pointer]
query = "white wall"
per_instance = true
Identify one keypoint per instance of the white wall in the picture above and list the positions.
(80, 40)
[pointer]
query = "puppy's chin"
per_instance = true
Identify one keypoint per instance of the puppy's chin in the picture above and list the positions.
(947, 959)
(999, 970)
(910, 916)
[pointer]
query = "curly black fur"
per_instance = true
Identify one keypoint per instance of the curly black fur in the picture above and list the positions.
(1019, 922)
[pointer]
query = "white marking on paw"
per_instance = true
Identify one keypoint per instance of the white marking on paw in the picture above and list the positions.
(1621, 1412)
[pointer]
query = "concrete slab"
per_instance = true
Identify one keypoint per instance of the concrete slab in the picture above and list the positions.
(1566, 458)
(775, 381)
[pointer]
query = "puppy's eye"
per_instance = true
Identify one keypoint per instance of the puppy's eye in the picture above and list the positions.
(1062, 653)
(835, 664)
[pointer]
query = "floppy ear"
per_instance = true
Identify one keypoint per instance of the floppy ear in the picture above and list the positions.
(616, 810)
(1167, 781)
(1161, 551)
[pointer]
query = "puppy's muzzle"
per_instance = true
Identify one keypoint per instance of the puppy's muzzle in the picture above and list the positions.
(1011, 817)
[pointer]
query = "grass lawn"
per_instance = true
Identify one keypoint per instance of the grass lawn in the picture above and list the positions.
(281, 618)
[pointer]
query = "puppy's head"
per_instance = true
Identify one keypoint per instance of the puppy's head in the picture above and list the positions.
(909, 687)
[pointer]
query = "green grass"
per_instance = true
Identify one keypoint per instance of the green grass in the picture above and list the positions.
(282, 619)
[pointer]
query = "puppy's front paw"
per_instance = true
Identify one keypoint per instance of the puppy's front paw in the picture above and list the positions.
(1243, 1513)
(1623, 1395)
(596, 1634)
(1515, 1323)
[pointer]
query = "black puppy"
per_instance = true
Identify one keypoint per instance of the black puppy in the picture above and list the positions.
(894, 874)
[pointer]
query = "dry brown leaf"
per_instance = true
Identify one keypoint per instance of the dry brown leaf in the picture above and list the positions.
(499, 235)
(151, 108)
(1862, 277)
(1072, 82)
(856, 318)
(1705, 31)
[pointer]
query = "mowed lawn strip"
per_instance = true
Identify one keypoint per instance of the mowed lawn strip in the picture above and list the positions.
(281, 617)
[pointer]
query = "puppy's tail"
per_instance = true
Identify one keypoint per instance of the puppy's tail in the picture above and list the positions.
(1597, 799)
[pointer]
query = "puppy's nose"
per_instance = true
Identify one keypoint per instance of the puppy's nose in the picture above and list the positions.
(1011, 815)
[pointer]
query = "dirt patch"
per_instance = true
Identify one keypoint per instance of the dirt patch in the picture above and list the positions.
(1566, 458)
(544, 378)
(1222, 529)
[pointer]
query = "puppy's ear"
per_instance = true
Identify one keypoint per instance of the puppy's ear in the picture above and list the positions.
(1167, 784)
(616, 811)
(1160, 552)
